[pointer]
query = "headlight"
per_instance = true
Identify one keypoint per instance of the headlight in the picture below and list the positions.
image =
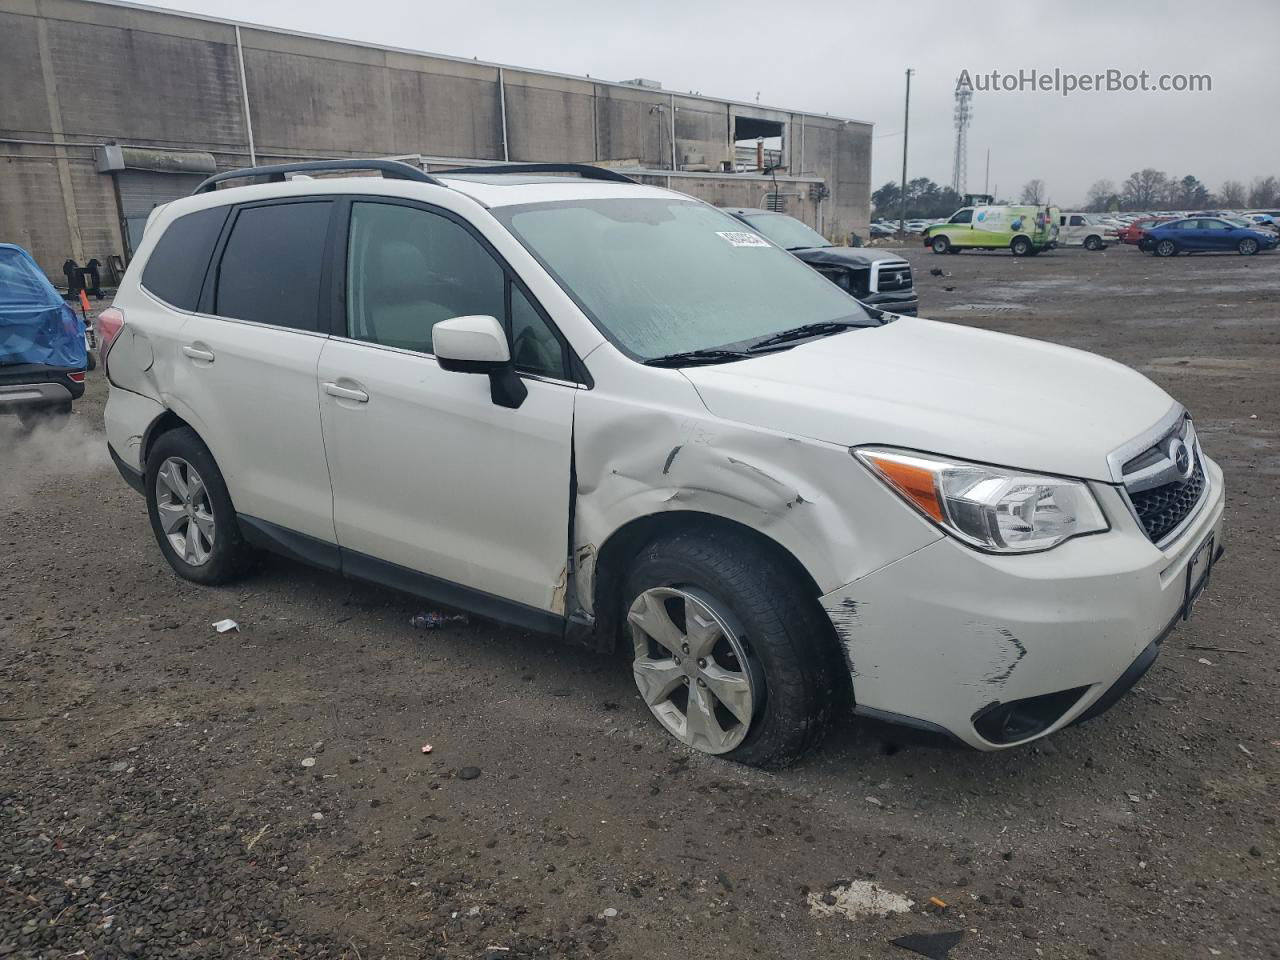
(1005, 511)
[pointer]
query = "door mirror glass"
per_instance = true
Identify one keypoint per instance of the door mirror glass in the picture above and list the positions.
(477, 343)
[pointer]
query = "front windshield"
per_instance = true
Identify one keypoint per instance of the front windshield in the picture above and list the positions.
(787, 232)
(662, 276)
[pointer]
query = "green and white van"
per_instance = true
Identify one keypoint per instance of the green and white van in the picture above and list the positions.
(1023, 229)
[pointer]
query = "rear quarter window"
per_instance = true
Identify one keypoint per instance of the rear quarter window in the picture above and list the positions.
(176, 268)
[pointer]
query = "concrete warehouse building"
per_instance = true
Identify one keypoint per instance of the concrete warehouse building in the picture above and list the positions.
(109, 109)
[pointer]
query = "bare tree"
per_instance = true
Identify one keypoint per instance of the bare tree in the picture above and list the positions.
(1033, 191)
(1145, 189)
(1102, 195)
(1189, 193)
(1265, 192)
(1231, 194)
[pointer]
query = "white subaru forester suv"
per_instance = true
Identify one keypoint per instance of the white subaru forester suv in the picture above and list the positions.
(583, 406)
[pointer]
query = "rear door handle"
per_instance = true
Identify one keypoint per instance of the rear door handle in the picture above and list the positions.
(345, 393)
(198, 353)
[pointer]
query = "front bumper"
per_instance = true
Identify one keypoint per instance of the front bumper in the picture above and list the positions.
(946, 636)
(904, 302)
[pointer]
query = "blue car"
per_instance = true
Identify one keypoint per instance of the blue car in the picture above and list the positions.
(1202, 234)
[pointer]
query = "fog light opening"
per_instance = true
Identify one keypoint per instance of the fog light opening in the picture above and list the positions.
(1020, 719)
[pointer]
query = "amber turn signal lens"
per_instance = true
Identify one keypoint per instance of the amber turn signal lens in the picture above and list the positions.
(915, 483)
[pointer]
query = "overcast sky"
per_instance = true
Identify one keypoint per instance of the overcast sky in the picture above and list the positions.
(848, 58)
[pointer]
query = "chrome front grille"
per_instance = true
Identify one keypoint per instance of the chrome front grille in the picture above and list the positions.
(1164, 480)
(888, 276)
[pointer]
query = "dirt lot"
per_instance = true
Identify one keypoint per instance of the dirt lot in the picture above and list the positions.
(158, 796)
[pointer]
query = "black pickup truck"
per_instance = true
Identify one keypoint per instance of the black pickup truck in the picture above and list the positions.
(878, 278)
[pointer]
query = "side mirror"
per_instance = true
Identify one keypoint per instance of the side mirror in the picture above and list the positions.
(478, 344)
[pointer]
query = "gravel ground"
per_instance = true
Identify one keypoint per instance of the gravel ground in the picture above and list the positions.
(167, 791)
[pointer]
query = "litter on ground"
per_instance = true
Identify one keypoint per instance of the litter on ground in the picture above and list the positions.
(861, 898)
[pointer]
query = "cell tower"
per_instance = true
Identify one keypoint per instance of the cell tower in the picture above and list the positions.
(963, 114)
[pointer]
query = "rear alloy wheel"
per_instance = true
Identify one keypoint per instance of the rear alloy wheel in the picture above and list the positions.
(1166, 248)
(191, 512)
(1248, 246)
(1020, 246)
(186, 515)
(940, 245)
(1093, 243)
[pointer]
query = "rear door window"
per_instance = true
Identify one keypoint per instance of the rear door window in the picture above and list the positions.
(176, 268)
(271, 265)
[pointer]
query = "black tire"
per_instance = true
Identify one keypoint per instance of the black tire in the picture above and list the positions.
(1020, 246)
(230, 557)
(91, 361)
(1093, 243)
(1247, 247)
(1166, 248)
(46, 418)
(940, 244)
(788, 638)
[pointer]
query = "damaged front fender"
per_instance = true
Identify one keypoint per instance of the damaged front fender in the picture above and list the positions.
(809, 497)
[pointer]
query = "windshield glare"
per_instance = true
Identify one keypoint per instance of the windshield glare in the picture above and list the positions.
(663, 276)
(787, 232)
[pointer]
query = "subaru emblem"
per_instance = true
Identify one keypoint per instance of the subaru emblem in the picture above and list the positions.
(1181, 457)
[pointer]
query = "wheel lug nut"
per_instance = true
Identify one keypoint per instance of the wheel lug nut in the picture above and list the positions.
(684, 647)
(677, 660)
(685, 681)
(702, 663)
(701, 682)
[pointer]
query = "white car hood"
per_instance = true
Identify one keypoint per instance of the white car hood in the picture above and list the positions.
(946, 389)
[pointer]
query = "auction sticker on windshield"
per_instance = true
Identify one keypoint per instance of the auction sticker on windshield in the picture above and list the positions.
(742, 238)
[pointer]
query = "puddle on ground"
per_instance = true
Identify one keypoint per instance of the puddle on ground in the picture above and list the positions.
(1209, 366)
(985, 307)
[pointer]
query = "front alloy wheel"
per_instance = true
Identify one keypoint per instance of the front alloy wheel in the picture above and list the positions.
(185, 511)
(692, 667)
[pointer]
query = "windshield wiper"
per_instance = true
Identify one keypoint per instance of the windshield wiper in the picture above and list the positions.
(690, 358)
(808, 330)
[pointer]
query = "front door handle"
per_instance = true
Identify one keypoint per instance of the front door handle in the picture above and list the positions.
(198, 353)
(345, 393)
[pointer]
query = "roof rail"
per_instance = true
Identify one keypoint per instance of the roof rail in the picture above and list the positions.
(585, 170)
(275, 173)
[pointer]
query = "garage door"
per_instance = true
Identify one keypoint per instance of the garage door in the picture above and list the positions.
(141, 191)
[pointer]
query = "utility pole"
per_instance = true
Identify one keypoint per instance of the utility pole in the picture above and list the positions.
(902, 192)
(986, 181)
